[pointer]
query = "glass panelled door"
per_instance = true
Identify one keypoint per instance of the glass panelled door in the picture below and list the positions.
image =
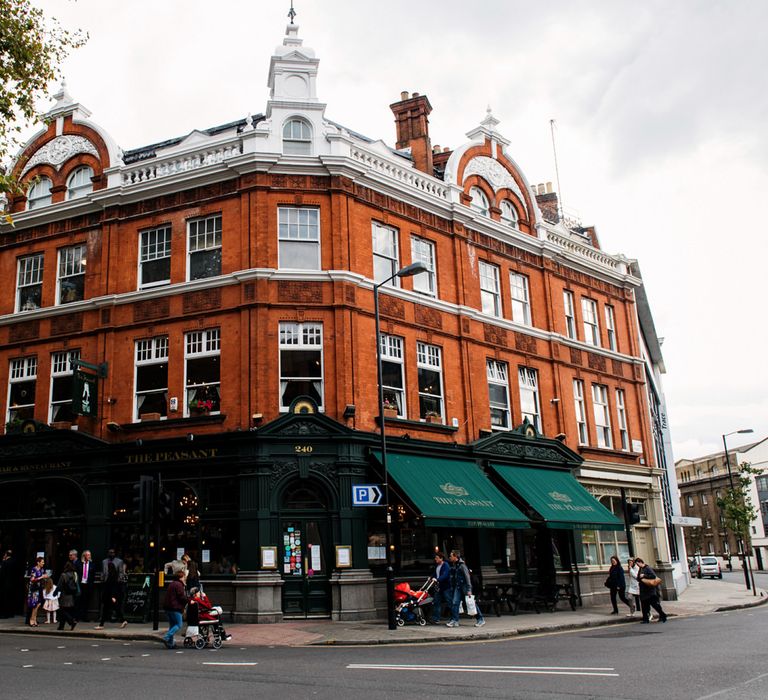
(305, 570)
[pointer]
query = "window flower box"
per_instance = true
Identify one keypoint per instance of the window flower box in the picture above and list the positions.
(149, 416)
(432, 417)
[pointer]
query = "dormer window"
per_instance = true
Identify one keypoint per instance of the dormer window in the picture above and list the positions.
(79, 183)
(297, 138)
(508, 213)
(479, 200)
(39, 194)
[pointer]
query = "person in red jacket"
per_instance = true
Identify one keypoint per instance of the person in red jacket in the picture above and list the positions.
(173, 604)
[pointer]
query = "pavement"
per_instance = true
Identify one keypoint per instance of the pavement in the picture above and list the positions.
(702, 597)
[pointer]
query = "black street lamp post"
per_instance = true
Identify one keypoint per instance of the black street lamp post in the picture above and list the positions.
(740, 543)
(407, 271)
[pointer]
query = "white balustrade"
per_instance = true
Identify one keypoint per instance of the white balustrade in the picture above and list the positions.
(412, 178)
(582, 250)
(164, 167)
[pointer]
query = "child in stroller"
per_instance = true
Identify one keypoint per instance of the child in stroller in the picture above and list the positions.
(204, 624)
(409, 603)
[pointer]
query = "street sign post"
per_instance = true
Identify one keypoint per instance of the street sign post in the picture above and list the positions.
(366, 495)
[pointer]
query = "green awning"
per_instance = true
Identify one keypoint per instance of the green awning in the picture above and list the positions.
(452, 493)
(558, 498)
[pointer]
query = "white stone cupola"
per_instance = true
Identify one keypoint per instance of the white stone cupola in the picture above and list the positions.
(293, 75)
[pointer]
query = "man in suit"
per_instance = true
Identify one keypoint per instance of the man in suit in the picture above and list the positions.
(86, 574)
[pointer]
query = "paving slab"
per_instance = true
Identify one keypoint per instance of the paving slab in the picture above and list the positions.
(700, 598)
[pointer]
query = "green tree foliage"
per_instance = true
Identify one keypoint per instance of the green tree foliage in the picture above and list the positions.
(736, 505)
(32, 48)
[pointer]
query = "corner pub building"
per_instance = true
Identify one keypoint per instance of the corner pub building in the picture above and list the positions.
(218, 289)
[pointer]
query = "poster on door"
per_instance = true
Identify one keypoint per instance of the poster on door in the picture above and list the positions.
(292, 564)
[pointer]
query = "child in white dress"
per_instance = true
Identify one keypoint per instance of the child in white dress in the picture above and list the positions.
(50, 601)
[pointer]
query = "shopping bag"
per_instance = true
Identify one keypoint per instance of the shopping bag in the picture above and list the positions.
(471, 605)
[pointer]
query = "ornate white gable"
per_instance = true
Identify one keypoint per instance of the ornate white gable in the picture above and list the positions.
(494, 173)
(60, 150)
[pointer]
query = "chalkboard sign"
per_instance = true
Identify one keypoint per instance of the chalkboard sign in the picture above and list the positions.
(138, 597)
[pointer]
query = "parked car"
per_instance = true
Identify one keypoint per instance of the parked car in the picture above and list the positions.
(708, 566)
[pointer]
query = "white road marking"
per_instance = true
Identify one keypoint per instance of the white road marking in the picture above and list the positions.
(61, 647)
(67, 663)
(23, 649)
(94, 645)
(108, 658)
(145, 654)
(28, 666)
(535, 670)
(230, 663)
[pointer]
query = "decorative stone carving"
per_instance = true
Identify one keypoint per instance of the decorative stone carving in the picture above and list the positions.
(494, 335)
(544, 454)
(596, 361)
(426, 316)
(60, 150)
(494, 173)
(526, 343)
(201, 301)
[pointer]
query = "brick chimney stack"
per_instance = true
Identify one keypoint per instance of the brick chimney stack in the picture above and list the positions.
(412, 124)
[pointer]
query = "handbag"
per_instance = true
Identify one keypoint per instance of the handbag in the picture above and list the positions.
(471, 604)
(653, 582)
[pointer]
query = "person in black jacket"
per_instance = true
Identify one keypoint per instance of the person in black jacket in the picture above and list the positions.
(443, 595)
(649, 594)
(111, 598)
(618, 586)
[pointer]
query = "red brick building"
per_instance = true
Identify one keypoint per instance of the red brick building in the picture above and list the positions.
(227, 276)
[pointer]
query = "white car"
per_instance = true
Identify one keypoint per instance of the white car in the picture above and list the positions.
(709, 566)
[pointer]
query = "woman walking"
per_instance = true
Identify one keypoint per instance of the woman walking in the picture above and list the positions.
(617, 585)
(633, 587)
(111, 598)
(37, 577)
(68, 587)
(175, 600)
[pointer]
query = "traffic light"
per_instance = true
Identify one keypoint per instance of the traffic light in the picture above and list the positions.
(633, 513)
(142, 498)
(164, 505)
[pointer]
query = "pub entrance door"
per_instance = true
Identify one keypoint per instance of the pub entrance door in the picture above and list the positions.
(304, 552)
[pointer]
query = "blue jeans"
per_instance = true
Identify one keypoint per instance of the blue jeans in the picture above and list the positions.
(174, 625)
(458, 596)
(442, 600)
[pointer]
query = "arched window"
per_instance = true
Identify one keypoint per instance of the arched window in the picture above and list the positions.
(79, 183)
(297, 137)
(508, 213)
(479, 200)
(39, 195)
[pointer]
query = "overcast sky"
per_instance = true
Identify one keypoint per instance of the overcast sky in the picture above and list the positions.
(661, 110)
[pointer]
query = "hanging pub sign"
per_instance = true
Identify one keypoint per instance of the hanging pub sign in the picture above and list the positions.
(84, 393)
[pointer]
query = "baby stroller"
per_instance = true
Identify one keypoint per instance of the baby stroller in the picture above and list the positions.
(409, 603)
(204, 626)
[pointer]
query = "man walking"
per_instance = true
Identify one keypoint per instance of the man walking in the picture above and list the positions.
(649, 594)
(461, 586)
(85, 574)
(443, 594)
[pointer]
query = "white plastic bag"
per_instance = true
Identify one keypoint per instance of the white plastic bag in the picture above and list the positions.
(471, 605)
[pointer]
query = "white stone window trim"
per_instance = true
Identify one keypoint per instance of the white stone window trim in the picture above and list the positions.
(79, 182)
(148, 351)
(151, 248)
(297, 137)
(580, 408)
(392, 351)
(21, 369)
(198, 345)
(289, 231)
(490, 288)
(590, 321)
(207, 239)
(530, 401)
(423, 250)
(61, 366)
(497, 373)
(294, 335)
(602, 413)
(390, 256)
(29, 274)
(521, 298)
(72, 263)
(39, 194)
(430, 357)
